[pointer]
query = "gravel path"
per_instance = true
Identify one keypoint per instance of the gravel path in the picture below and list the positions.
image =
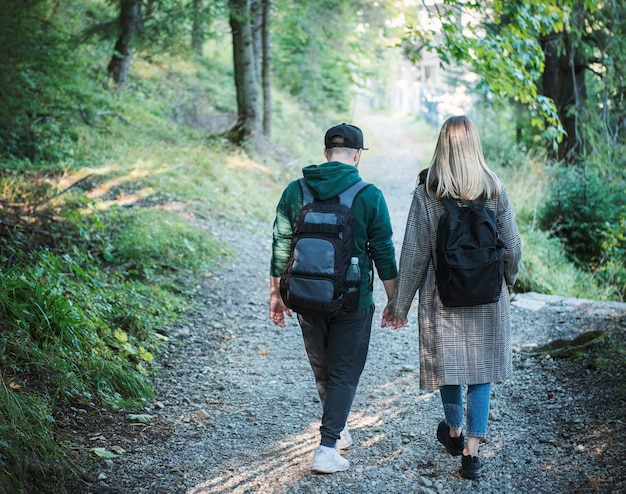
(237, 411)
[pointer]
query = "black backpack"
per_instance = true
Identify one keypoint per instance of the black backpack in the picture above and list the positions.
(322, 243)
(470, 256)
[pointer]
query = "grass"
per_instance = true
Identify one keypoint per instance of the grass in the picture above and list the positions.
(86, 307)
(155, 239)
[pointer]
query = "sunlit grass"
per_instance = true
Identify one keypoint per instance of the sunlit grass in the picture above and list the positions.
(157, 238)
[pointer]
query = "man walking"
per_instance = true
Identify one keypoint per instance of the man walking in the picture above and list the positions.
(336, 345)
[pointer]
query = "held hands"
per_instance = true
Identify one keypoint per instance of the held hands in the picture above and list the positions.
(391, 321)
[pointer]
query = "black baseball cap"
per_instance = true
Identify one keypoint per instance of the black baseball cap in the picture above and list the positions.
(352, 137)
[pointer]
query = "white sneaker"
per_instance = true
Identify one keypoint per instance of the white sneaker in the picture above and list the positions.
(328, 460)
(345, 439)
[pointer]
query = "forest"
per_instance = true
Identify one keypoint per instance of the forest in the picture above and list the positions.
(127, 126)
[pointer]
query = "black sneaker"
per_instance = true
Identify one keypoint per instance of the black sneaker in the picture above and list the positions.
(472, 467)
(454, 445)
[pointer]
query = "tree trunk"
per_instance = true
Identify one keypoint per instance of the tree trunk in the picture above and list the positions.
(246, 130)
(256, 23)
(266, 71)
(130, 23)
(197, 27)
(563, 81)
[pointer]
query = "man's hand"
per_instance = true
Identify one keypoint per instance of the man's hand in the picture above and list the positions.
(278, 309)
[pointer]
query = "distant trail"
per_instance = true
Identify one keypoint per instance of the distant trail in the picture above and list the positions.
(395, 157)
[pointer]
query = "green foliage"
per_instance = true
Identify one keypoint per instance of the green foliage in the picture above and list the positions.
(585, 211)
(545, 266)
(64, 325)
(600, 113)
(505, 44)
(612, 268)
(296, 139)
(546, 269)
(501, 44)
(303, 63)
(70, 336)
(29, 452)
(322, 61)
(588, 213)
(44, 87)
(498, 127)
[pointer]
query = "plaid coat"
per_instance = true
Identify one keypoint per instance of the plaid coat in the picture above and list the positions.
(458, 345)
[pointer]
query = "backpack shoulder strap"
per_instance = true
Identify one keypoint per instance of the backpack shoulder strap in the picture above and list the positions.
(347, 196)
(307, 195)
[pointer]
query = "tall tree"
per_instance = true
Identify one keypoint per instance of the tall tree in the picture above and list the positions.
(266, 69)
(563, 81)
(247, 128)
(256, 22)
(129, 25)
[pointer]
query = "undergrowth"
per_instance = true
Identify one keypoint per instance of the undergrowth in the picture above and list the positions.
(102, 240)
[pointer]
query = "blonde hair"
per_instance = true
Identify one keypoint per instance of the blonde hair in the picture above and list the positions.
(458, 167)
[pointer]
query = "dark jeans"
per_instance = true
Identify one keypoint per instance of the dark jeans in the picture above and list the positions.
(337, 349)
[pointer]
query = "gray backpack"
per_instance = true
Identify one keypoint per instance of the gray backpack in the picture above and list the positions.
(322, 244)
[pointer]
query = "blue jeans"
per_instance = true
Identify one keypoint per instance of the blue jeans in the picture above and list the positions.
(337, 349)
(478, 396)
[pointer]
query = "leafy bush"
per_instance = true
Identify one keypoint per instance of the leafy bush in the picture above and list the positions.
(612, 268)
(582, 209)
(60, 328)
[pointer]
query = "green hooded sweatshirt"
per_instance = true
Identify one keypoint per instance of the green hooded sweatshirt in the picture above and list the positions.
(371, 222)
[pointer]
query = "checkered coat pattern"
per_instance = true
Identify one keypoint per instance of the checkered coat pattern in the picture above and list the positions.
(458, 345)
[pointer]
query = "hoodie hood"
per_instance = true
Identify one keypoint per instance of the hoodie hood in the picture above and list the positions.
(330, 179)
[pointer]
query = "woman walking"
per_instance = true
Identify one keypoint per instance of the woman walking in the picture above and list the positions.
(459, 346)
